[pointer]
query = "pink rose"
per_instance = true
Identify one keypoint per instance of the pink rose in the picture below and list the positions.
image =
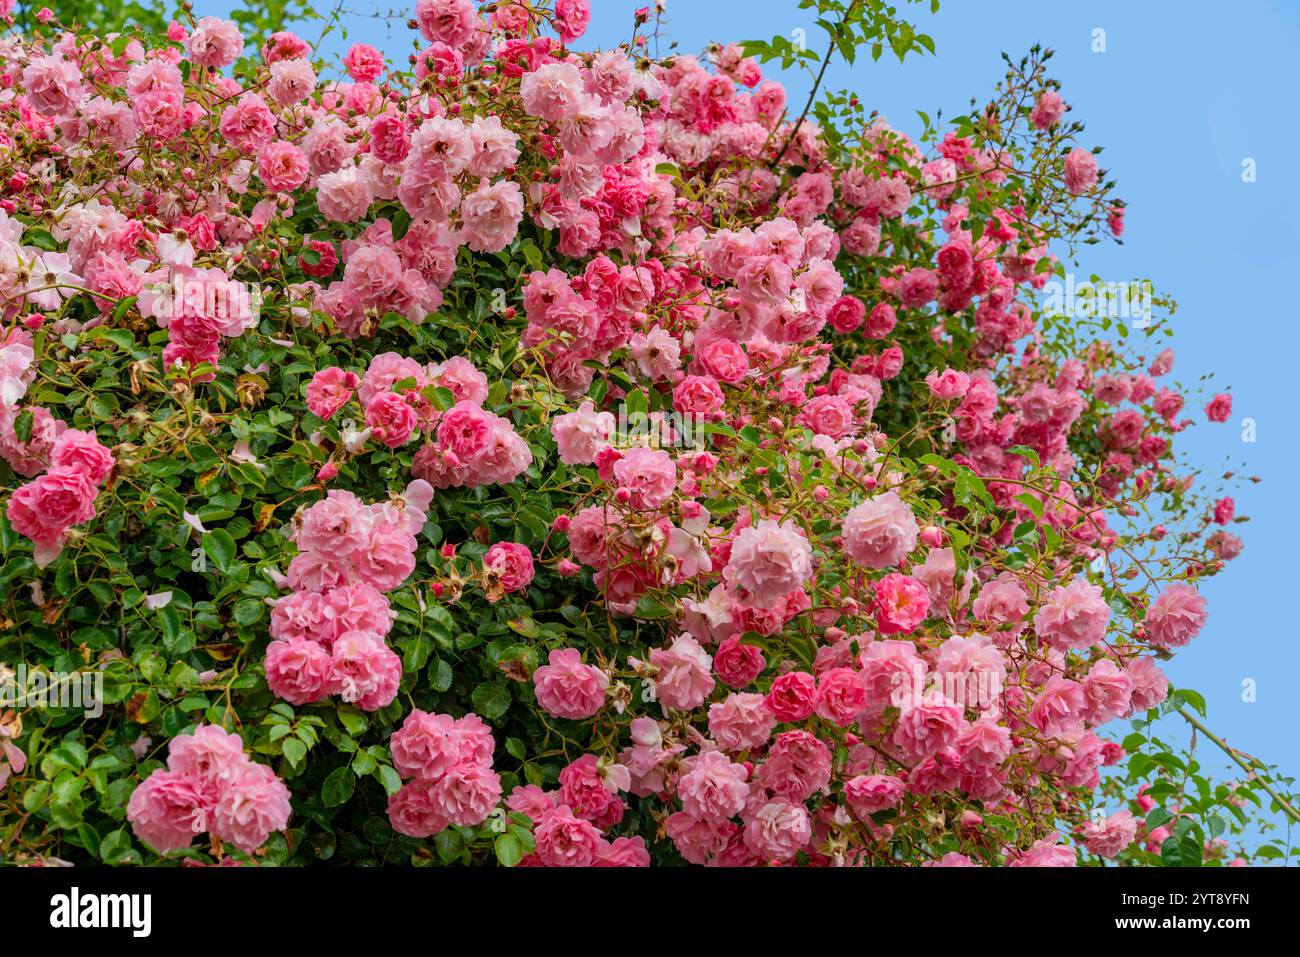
(329, 390)
(880, 532)
(901, 604)
(684, 678)
(1073, 616)
(792, 696)
(868, 794)
(82, 452)
(566, 688)
(166, 811)
(1080, 171)
(511, 565)
(768, 561)
(298, 669)
(1175, 617)
(650, 475)
(252, 808)
(1219, 408)
(391, 419)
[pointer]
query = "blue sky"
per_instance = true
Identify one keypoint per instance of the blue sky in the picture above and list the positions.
(1182, 95)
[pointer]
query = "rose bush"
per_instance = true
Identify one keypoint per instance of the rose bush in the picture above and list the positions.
(576, 458)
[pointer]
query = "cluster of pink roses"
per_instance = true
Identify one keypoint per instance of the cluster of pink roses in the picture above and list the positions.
(69, 465)
(571, 822)
(449, 762)
(210, 785)
(329, 631)
(466, 444)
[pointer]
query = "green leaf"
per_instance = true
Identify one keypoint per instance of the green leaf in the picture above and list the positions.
(491, 699)
(220, 547)
(294, 751)
(510, 850)
(338, 787)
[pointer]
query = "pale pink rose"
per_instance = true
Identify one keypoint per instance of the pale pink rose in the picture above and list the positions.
(769, 560)
(452, 22)
(465, 430)
(344, 195)
(699, 839)
(426, 746)
(1048, 852)
(1080, 171)
(1000, 601)
(1109, 836)
(338, 524)
(623, 852)
(650, 475)
(741, 722)
(392, 420)
(459, 376)
(698, 395)
(566, 688)
(1150, 685)
(880, 531)
(1047, 111)
(778, 830)
(388, 556)
(1059, 708)
(53, 84)
(792, 697)
(490, 216)
(1109, 691)
(214, 42)
(580, 435)
(868, 794)
(467, 794)
(712, 786)
(928, 727)
(901, 603)
(947, 385)
(292, 81)
(46, 507)
(1175, 617)
(572, 18)
(496, 147)
(798, 765)
(841, 696)
(365, 671)
(329, 390)
(830, 415)
(657, 353)
(552, 92)
(248, 123)
(211, 757)
(282, 166)
(1074, 616)
(983, 746)
(684, 679)
(363, 62)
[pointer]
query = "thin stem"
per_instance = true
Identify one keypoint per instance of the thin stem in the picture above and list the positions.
(812, 94)
(1199, 725)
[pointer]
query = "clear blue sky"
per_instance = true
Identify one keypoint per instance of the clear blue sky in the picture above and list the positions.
(1184, 92)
